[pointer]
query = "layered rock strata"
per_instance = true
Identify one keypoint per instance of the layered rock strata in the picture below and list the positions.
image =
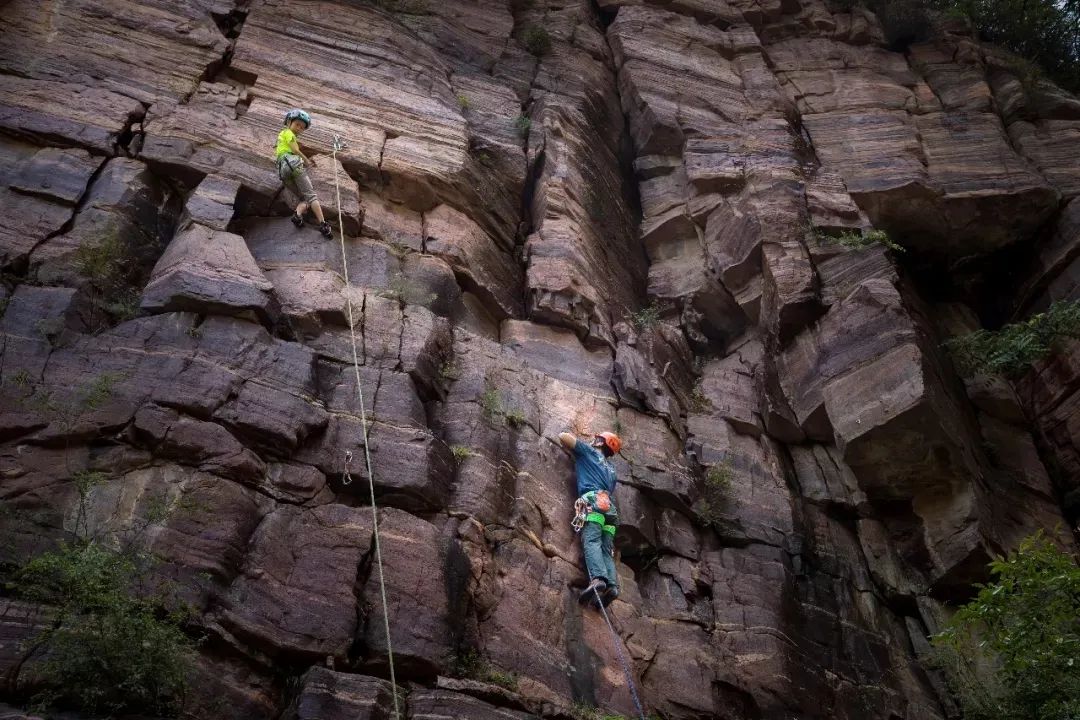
(614, 216)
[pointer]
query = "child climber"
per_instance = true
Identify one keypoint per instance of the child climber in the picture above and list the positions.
(595, 507)
(290, 166)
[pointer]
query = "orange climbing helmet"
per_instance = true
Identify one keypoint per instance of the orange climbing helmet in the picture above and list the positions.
(612, 441)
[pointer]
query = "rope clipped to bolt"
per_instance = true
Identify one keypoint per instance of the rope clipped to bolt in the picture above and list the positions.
(338, 146)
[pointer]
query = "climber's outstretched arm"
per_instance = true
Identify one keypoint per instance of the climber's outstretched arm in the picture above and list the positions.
(568, 440)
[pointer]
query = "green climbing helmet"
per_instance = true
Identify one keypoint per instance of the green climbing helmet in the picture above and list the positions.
(298, 114)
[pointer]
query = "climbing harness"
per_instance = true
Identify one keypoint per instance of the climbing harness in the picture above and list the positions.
(622, 658)
(585, 508)
(340, 145)
(288, 167)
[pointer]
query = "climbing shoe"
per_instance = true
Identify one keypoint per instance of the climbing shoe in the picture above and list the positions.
(608, 596)
(589, 593)
(326, 230)
(297, 220)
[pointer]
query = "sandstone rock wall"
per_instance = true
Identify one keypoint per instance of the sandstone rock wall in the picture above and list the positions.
(558, 215)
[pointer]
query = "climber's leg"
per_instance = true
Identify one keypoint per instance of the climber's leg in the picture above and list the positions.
(592, 548)
(607, 544)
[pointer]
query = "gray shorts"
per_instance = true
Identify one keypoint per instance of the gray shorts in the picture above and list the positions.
(292, 172)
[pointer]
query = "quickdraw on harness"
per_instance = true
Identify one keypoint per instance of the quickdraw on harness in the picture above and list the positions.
(586, 510)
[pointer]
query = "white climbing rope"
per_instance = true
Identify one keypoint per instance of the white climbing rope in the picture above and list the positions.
(619, 652)
(339, 145)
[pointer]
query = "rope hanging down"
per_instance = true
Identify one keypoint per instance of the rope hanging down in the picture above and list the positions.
(339, 145)
(622, 658)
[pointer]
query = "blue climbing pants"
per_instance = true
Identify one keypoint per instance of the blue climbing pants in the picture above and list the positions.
(598, 544)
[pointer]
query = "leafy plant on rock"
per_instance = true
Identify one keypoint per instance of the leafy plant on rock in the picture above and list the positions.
(108, 649)
(522, 124)
(537, 40)
(646, 317)
(1011, 350)
(716, 490)
(491, 403)
(461, 453)
(1023, 631)
(470, 664)
(856, 239)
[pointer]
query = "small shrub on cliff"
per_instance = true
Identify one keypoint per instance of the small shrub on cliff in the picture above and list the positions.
(699, 401)
(1023, 629)
(469, 664)
(1011, 350)
(719, 479)
(646, 317)
(856, 240)
(522, 124)
(108, 650)
(491, 403)
(460, 453)
(537, 40)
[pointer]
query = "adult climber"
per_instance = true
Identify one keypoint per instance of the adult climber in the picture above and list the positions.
(597, 517)
(292, 171)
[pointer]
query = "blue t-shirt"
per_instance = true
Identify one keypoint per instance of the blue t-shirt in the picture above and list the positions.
(594, 472)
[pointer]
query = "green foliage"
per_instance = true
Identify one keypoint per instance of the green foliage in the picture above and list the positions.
(87, 480)
(469, 664)
(515, 417)
(107, 265)
(523, 123)
(463, 102)
(99, 391)
(1011, 350)
(102, 263)
(646, 317)
(719, 479)
(699, 402)
(123, 305)
(460, 453)
(858, 239)
(537, 40)
(22, 379)
(1044, 32)
(491, 403)
(450, 370)
(108, 650)
(1024, 627)
(49, 328)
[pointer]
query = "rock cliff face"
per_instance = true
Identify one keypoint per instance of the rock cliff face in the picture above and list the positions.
(557, 214)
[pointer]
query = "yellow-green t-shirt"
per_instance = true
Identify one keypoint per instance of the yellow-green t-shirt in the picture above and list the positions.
(285, 139)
